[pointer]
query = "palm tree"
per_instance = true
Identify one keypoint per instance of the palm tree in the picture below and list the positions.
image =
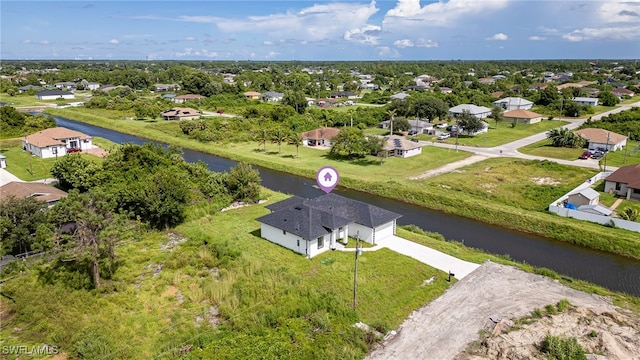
(563, 137)
(391, 114)
(630, 214)
(262, 136)
(279, 136)
(295, 139)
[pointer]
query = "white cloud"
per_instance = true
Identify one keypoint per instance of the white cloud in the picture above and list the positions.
(267, 43)
(608, 33)
(426, 43)
(443, 13)
(27, 41)
(619, 11)
(387, 52)
(537, 38)
(498, 37)
(114, 41)
(367, 34)
(190, 52)
(404, 43)
(189, 38)
(272, 54)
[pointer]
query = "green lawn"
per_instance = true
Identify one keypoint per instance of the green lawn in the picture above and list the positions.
(626, 156)
(545, 149)
(24, 100)
(634, 99)
(29, 168)
(503, 134)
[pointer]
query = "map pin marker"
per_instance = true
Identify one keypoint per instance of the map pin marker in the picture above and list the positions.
(327, 178)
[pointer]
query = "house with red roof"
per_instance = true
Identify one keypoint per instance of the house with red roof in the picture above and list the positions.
(624, 182)
(522, 116)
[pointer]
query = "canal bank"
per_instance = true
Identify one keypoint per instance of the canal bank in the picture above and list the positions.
(615, 272)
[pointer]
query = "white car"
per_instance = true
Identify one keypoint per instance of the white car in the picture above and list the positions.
(442, 126)
(444, 136)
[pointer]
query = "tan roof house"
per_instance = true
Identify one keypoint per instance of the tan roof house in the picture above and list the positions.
(253, 95)
(624, 182)
(57, 141)
(620, 92)
(522, 116)
(602, 139)
(39, 191)
(181, 99)
(180, 113)
(396, 145)
(319, 137)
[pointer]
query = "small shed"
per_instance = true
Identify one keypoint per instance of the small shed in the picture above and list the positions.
(586, 196)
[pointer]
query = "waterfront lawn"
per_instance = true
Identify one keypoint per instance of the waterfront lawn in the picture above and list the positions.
(545, 149)
(29, 167)
(503, 134)
(526, 184)
(222, 293)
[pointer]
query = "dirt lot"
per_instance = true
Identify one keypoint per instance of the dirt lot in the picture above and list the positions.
(443, 328)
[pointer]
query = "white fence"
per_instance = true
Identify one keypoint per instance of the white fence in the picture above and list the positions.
(557, 207)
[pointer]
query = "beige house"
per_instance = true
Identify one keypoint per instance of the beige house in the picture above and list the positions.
(39, 191)
(180, 113)
(319, 137)
(253, 95)
(602, 139)
(181, 99)
(57, 141)
(395, 145)
(522, 116)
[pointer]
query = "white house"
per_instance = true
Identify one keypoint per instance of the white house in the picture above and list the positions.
(602, 139)
(513, 103)
(586, 101)
(624, 182)
(319, 137)
(477, 111)
(54, 142)
(396, 145)
(399, 96)
(313, 226)
(483, 130)
(272, 96)
(54, 94)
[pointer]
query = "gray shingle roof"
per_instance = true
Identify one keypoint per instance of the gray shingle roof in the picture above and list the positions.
(315, 217)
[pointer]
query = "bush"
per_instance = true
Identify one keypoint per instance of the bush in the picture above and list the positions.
(559, 348)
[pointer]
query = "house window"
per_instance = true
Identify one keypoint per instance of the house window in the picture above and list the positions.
(320, 242)
(298, 242)
(618, 186)
(284, 232)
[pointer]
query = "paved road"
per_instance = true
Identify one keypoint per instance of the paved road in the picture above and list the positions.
(7, 177)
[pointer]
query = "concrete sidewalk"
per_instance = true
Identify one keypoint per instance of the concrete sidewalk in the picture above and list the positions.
(7, 177)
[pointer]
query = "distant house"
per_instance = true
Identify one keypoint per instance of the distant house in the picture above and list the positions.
(313, 226)
(399, 96)
(395, 145)
(586, 196)
(180, 113)
(319, 137)
(38, 191)
(54, 95)
(167, 87)
(487, 81)
(624, 182)
(57, 141)
(181, 99)
(92, 86)
(67, 85)
(343, 94)
(483, 130)
(620, 92)
(602, 139)
(26, 88)
(107, 88)
(477, 111)
(587, 101)
(445, 90)
(252, 95)
(272, 96)
(521, 116)
(537, 87)
(513, 103)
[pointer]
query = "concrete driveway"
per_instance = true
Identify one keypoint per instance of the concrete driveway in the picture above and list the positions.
(7, 177)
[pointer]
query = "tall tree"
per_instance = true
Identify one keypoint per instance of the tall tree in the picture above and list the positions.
(243, 183)
(19, 221)
(469, 123)
(75, 172)
(294, 139)
(496, 114)
(349, 143)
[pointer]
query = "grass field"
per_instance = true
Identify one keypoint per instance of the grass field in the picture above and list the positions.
(545, 149)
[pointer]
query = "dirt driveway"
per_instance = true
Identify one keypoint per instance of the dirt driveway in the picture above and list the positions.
(442, 329)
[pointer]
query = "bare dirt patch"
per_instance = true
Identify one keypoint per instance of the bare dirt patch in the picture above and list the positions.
(443, 328)
(449, 167)
(545, 181)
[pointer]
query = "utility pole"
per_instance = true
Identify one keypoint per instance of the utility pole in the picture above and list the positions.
(606, 149)
(626, 149)
(355, 273)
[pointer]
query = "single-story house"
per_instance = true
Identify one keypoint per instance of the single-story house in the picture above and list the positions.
(587, 101)
(420, 126)
(399, 96)
(487, 81)
(513, 103)
(181, 99)
(319, 137)
(624, 182)
(54, 142)
(54, 94)
(39, 191)
(395, 145)
(446, 90)
(620, 92)
(522, 116)
(92, 86)
(537, 87)
(252, 95)
(26, 88)
(477, 111)
(586, 196)
(272, 96)
(595, 209)
(68, 85)
(180, 113)
(167, 87)
(604, 139)
(343, 94)
(313, 226)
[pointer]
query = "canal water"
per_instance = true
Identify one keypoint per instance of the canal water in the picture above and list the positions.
(611, 271)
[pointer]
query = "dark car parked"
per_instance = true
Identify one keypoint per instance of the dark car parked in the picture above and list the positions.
(585, 155)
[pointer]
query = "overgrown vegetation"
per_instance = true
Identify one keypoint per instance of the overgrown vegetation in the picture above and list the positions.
(18, 124)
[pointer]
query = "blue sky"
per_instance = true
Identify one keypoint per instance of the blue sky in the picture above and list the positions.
(320, 30)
